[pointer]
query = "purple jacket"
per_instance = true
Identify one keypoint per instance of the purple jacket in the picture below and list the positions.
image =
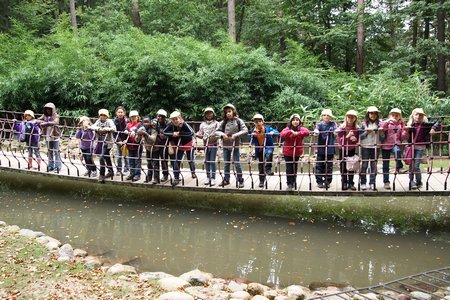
(28, 132)
(86, 138)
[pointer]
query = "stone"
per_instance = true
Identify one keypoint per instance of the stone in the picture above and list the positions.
(206, 293)
(281, 297)
(30, 233)
(270, 294)
(66, 250)
(218, 283)
(234, 286)
(92, 262)
(403, 297)
(255, 289)
(64, 258)
(12, 228)
(297, 292)
(197, 277)
(121, 269)
(242, 295)
(2, 224)
(173, 283)
(260, 297)
(420, 295)
(79, 253)
(146, 276)
(175, 296)
(52, 246)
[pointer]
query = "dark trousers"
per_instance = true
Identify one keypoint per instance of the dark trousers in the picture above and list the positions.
(369, 157)
(88, 160)
(291, 169)
(105, 160)
(264, 164)
(160, 158)
(346, 175)
(324, 168)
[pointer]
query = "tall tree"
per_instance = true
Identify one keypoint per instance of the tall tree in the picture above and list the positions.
(135, 14)
(441, 74)
(73, 16)
(232, 20)
(360, 39)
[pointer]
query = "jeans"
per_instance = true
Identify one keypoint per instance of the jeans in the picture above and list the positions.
(324, 168)
(105, 160)
(134, 160)
(178, 157)
(54, 156)
(87, 156)
(162, 156)
(346, 175)
(236, 160)
(264, 164)
(386, 155)
(369, 156)
(291, 169)
(34, 148)
(119, 160)
(415, 168)
(210, 161)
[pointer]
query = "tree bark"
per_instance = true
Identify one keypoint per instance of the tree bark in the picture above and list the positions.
(73, 16)
(232, 21)
(360, 39)
(135, 14)
(441, 74)
(426, 34)
(415, 26)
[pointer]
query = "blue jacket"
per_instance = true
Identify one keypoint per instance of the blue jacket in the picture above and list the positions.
(269, 145)
(325, 140)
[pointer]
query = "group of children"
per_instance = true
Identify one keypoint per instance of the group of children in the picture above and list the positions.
(169, 139)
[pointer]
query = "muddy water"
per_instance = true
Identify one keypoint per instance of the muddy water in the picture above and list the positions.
(268, 250)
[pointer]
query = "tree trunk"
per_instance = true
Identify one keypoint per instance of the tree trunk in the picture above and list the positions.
(73, 16)
(426, 34)
(441, 74)
(360, 39)
(135, 15)
(282, 34)
(415, 26)
(232, 21)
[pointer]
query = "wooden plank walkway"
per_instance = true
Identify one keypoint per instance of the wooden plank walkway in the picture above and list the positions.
(435, 183)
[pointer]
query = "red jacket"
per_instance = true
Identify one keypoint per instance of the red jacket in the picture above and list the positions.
(293, 145)
(132, 144)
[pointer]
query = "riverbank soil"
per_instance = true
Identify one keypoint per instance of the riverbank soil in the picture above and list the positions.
(29, 271)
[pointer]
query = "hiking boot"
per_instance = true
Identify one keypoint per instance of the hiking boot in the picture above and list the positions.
(352, 187)
(155, 181)
(129, 177)
(344, 187)
(109, 175)
(225, 182)
(320, 185)
(327, 185)
(175, 182)
(165, 178)
(101, 179)
(261, 184)
(372, 187)
(240, 184)
(193, 175)
(206, 182)
(387, 186)
(290, 188)
(94, 174)
(363, 186)
(136, 178)
(419, 185)
(413, 186)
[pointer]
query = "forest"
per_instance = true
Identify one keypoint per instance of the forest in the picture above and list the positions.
(273, 57)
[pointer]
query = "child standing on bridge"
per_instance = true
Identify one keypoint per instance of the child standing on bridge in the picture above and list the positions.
(293, 136)
(393, 132)
(261, 136)
(418, 132)
(49, 122)
(105, 129)
(134, 148)
(86, 137)
(324, 131)
(147, 135)
(181, 137)
(207, 132)
(29, 133)
(231, 128)
(348, 138)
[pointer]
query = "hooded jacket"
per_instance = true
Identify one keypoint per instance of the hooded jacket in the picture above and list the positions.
(49, 123)
(293, 145)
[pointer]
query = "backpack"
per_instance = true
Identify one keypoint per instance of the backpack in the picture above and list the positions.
(27, 130)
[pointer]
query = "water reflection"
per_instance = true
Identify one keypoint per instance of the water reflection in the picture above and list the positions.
(267, 250)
